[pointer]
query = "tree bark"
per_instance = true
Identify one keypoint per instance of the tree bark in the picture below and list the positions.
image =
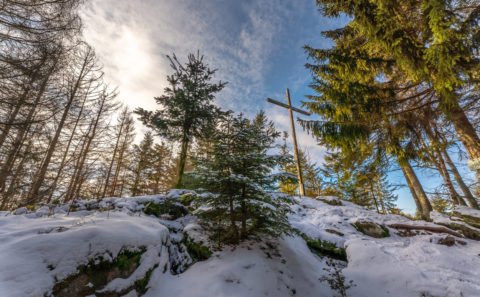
(182, 161)
(67, 149)
(19, 138)
(417, 190)
(40, 175)
(109, 172)
(466, 191)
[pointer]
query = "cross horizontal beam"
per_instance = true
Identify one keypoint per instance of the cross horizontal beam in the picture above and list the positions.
(288, 107)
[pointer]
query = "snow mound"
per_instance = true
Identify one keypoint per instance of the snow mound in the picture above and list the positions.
(396, 265)
(42, 246)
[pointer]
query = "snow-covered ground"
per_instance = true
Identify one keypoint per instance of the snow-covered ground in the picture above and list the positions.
(41, 247)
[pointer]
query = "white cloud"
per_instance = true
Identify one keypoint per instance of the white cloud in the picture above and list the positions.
(132, 38)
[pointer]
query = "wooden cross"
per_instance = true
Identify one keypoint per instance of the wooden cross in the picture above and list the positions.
(294, 136)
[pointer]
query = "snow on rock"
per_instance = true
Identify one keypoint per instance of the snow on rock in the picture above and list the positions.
(393, 266)
(34, 252)
(41, 246)
(463, 210)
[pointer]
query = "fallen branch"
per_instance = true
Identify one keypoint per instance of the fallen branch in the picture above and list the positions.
(426, 228)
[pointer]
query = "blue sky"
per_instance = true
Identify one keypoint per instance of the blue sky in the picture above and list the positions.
(255, 45)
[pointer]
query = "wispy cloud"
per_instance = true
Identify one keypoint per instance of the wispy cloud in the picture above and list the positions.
(242, 39)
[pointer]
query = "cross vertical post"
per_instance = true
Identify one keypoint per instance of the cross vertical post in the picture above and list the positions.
(301, 187)
(291, 109)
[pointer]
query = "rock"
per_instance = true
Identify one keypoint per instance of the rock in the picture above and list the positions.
(371, 229)
(450, 240)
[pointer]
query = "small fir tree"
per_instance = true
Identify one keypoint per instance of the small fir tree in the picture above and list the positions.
(237, 171)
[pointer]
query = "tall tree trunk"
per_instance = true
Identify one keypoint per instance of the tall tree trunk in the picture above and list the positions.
(19, 104)
(123, 148)
(466, 132)
(79, 178)
(446, 177)
(182, 161)
(417, 190)
(71, 187)
(40, 175)
(109, 172)
(67, 149)
(439, 162)
(466, 191)
(21, 132)
(14, 180)
(374, 198)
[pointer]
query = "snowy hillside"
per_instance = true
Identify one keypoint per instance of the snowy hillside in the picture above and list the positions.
(150, 246)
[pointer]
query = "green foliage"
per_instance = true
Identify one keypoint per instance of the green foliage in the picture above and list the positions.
(394, 68)
(186, 105)
(237, 171)
(141, 284)
(331, 202)
(325, 249)
(358, 179)
(372, 229)
(167, 207)
(440, 204)
(197, 251)
(97, 272)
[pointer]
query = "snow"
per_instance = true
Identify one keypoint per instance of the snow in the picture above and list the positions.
(39, 247)
(248, 271)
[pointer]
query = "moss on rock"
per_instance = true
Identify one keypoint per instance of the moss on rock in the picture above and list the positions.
(98, 273)
(371, 229)
(324, 248)
(169, 208)
(197, 251)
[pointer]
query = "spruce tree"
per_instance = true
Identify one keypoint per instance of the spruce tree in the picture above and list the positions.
(237, 170)
(186, 105)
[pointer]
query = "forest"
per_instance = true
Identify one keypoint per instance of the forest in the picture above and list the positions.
(397, 92)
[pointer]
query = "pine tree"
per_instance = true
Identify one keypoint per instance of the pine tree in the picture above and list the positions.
(237, 170)
(186, 105)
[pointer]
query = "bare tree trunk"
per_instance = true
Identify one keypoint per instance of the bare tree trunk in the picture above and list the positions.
(182, 161)
(119, 165)
(40, 175)
(71, 186)
(18, 105)
(446, 176)
(466, 191)
(14, 179)
(109, 172)
(423, 204)
(78, 182)
(67, 149)
(466, 132)
(19, 138)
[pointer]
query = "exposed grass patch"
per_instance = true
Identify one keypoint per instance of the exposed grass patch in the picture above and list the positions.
(467, 232)
(325, 249)
(197, 251)
(169, 207)
(141, 284)
(470, 220)
(98, 272)
(331, 202)
(372, 229)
